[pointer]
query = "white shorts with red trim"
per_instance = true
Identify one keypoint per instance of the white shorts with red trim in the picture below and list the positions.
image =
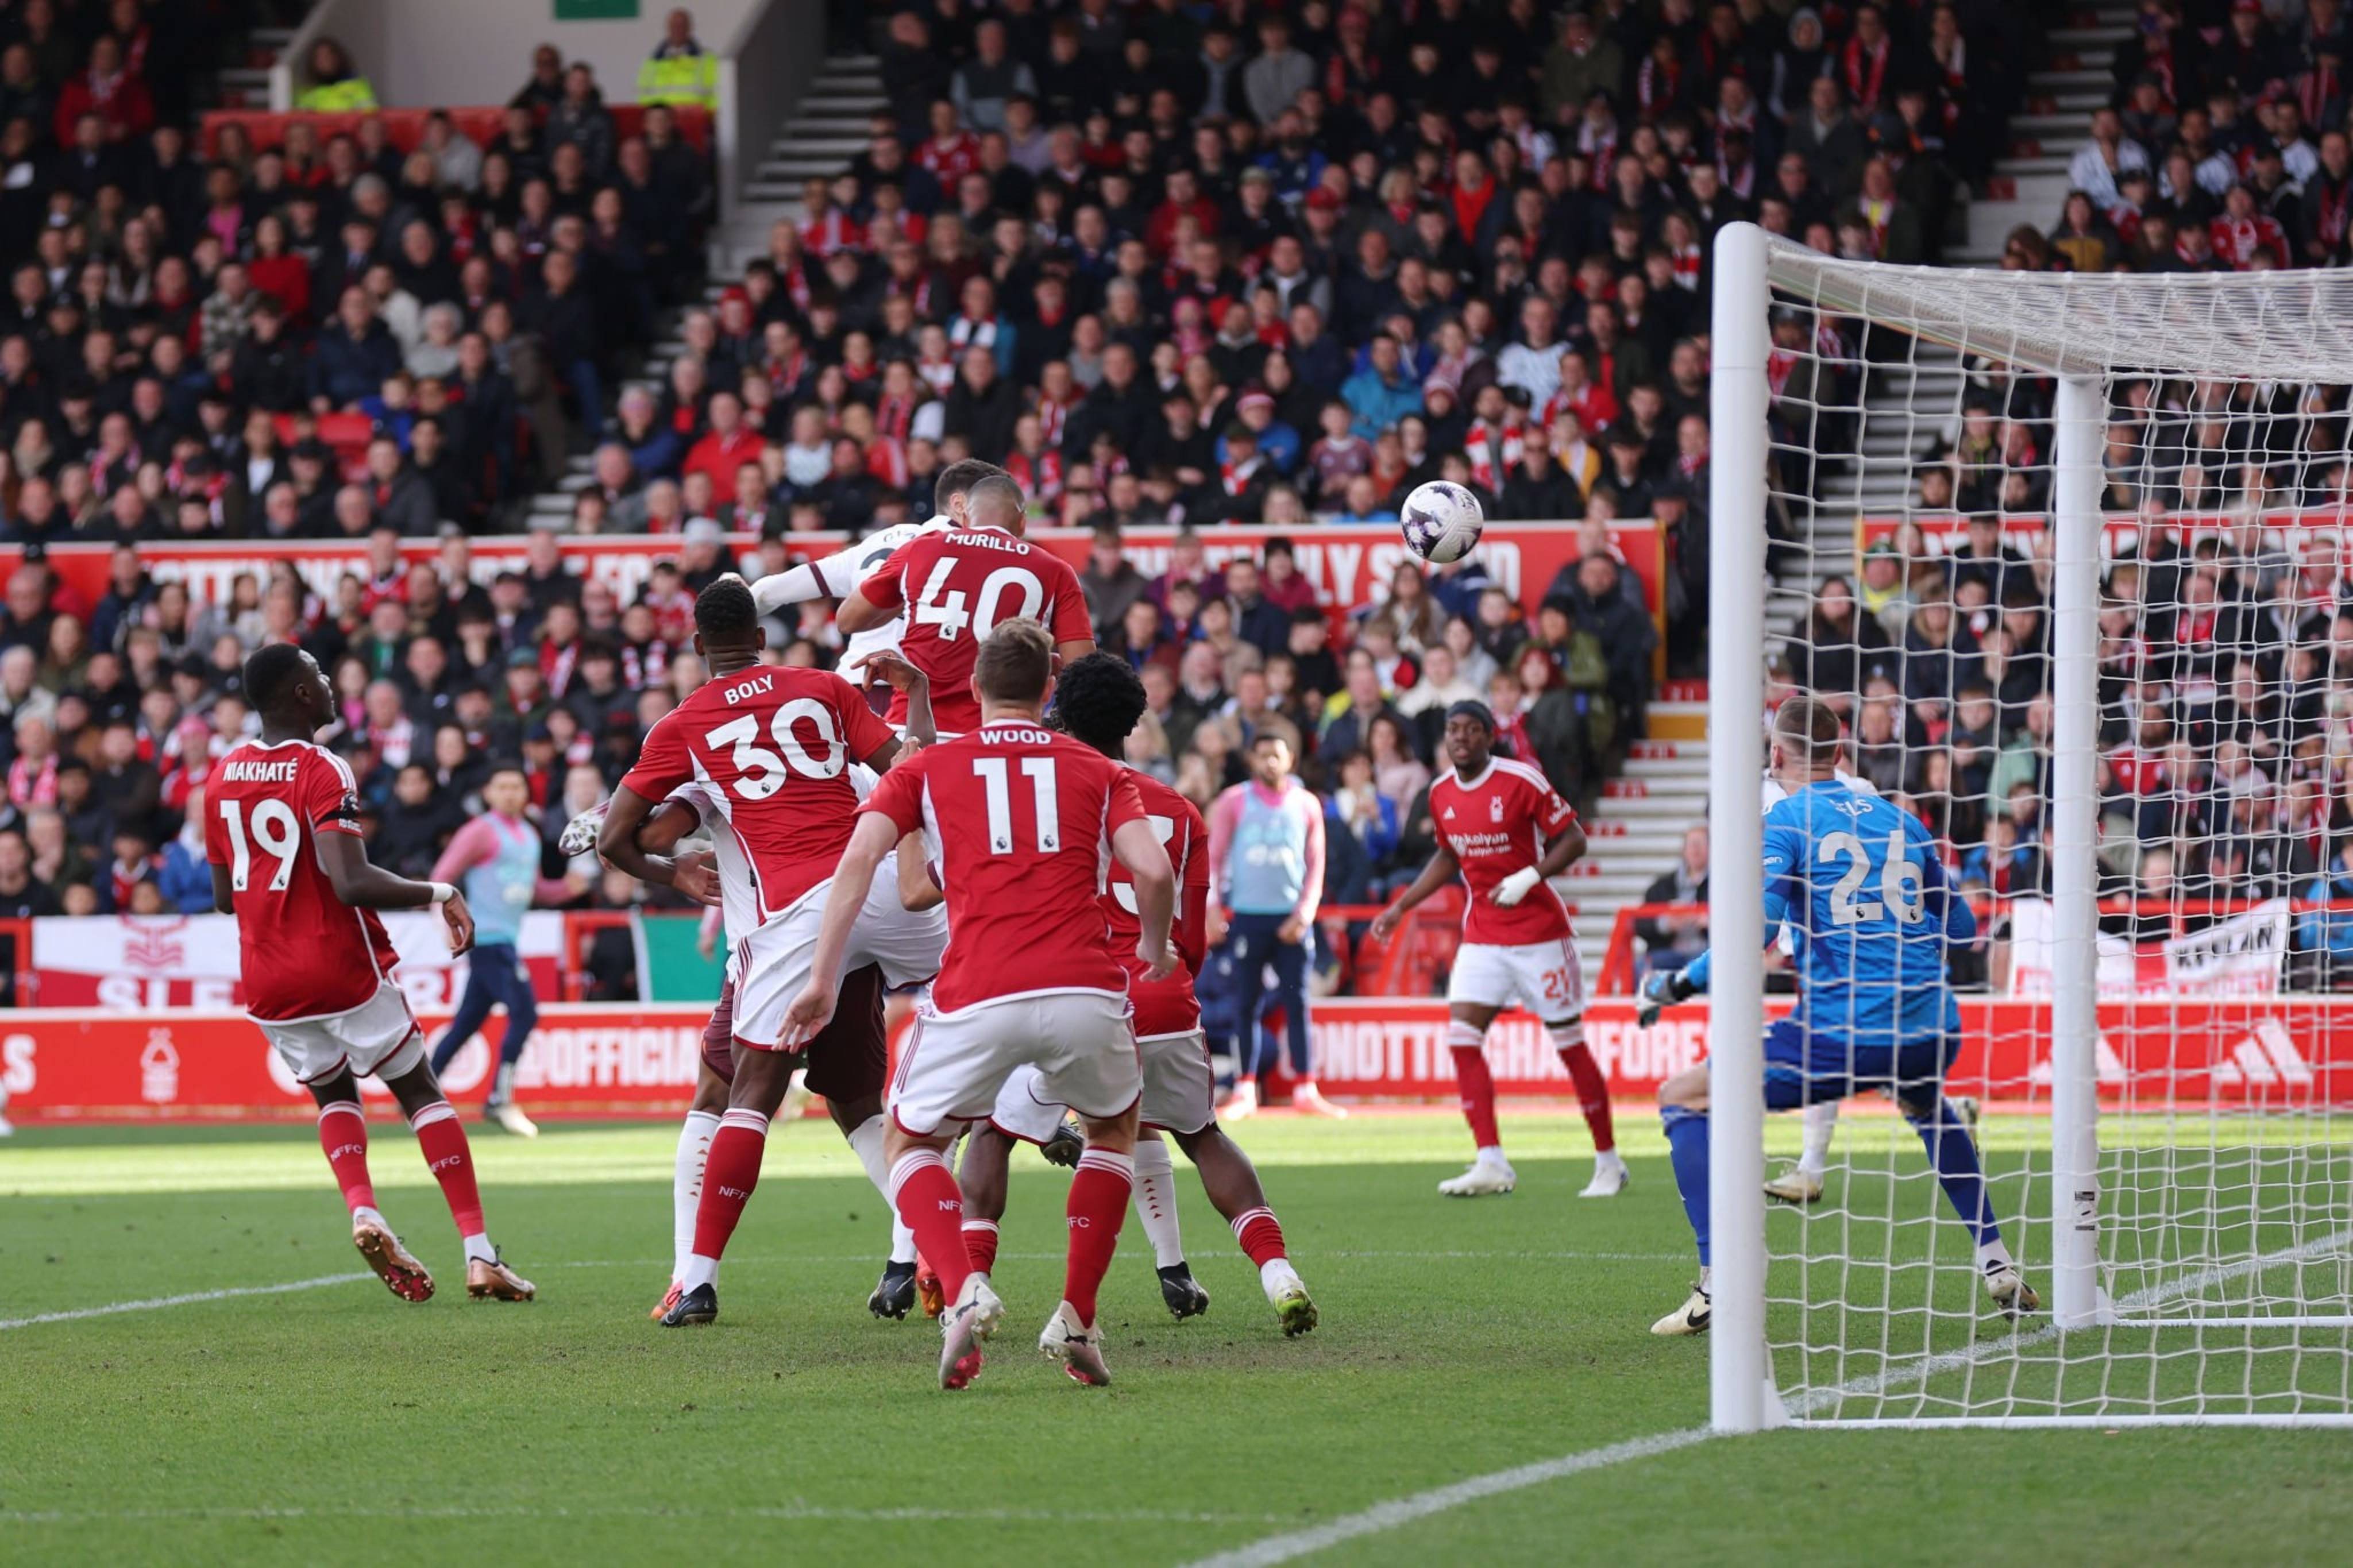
(1543, 977)
(773, 963)
(377, 1038)
(955, 1065)
(1179, 1091)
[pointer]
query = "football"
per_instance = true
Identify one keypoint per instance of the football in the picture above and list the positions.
(1441, 522)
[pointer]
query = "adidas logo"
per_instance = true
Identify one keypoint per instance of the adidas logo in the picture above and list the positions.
(2266, 1059)
(1450, 814)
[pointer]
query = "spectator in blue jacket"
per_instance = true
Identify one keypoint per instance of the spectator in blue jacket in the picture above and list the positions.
(185, 879)
(1382, 392)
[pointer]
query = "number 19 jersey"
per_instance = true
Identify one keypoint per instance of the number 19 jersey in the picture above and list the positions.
(955, 586)
(774, 747)
(304, 952)
(1018, 823)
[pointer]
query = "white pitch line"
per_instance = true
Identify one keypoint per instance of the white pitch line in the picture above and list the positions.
(155, 1303)
(1389, 1515)
(1386, 1516)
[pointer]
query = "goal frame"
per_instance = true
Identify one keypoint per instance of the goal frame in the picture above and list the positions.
(2303, 331)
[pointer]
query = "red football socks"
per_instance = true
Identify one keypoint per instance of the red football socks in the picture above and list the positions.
(1099, 1196)
(729, 1172)
(1592, 1089)
(980, 1244)
(342, 1134)
(451, 1162)
(1261, 1237)
(928, 1199)
(1476, 1085)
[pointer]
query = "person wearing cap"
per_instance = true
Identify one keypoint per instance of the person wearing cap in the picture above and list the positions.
(1506, 832)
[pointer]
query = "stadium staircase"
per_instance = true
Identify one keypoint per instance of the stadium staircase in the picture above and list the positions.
(825, 131)
(1911, 410)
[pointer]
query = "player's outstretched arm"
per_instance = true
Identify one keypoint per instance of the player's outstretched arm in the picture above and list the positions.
(365, 886)
(852, 880)
(616, 844)
(1443, 870)
(1138, 848)
(668, 824)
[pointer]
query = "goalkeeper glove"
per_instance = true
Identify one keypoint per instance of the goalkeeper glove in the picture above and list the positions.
(1662, 990)
(1515, 887)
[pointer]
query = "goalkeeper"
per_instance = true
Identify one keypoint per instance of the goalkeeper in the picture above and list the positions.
(1859, 882)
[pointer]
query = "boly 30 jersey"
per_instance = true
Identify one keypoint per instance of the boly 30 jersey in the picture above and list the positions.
(1018, 822)
(774, 747)
(304, 952)
(1496, 824)
(1164, 1007)
(955, 586)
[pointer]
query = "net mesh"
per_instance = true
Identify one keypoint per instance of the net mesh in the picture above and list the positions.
(1911, 482)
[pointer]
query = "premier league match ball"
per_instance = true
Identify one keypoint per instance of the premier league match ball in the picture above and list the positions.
(1441, 522)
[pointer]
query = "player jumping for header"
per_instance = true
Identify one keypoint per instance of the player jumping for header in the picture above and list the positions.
(1502, 827)
(282, 832)
(1859, 881)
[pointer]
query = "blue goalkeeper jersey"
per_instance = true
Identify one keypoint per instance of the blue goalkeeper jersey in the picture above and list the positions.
(1859, 884)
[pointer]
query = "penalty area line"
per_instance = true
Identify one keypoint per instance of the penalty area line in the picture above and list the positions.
(192, 1298)
(1439, 1500)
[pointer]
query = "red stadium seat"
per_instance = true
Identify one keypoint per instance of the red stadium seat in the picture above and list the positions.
(405, 128)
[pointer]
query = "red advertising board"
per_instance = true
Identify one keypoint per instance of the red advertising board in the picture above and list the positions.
(70, 1064)
(1348, 563)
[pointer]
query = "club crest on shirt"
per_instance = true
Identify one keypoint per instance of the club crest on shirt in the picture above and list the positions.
(1495, 808)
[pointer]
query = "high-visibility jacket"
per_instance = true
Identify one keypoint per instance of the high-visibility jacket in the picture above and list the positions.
(349, 96)
(679, 78)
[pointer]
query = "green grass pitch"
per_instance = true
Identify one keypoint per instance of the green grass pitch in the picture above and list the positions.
(335, 1424)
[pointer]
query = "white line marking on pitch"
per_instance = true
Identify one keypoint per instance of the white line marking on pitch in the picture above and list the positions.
(155, 1303)
(1390, 1515)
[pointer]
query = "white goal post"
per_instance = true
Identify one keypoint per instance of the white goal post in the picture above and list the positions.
(2193, 1240)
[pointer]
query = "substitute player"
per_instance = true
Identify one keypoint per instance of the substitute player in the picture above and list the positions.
(1860, 882)
(774, 744)
(957, 584)
(1020, 823)
(1507, 832)
(1098, 700)
(495, 857)
(281, 830)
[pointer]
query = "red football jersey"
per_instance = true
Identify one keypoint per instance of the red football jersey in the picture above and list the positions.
(1018, 822)
(305, 954)
(1496, 824)
(775, 744)
(955, 586)
(1164, 1007)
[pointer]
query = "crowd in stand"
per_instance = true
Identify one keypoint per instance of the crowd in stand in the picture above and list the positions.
(2226, 771)
(1169, 263)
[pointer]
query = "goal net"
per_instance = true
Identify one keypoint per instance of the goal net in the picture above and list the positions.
(2070, 555)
